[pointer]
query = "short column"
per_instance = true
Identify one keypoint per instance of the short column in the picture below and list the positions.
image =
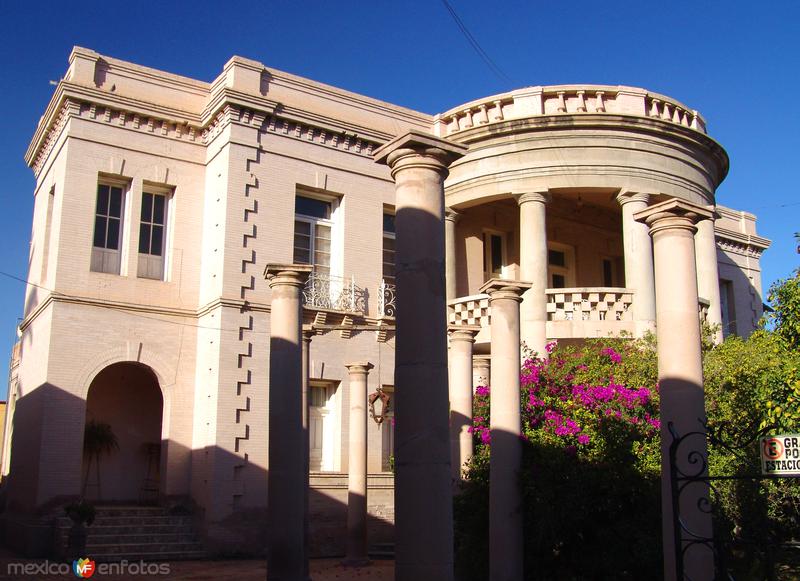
(638, 251)
(505, 495)
(423, 492)
(481, 366)
(680, 376)
(451, 218)
(461, 340)
(287, 471)
(533, 267)
(357, 467)
(705, 246)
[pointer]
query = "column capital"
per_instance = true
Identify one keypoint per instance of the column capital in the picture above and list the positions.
(525, 197)
(673, 214)
(627, 196)
(308, 332)
(419, 149)
(451, 215)
(359, 367)
(287, 274)
(498, 288)
(463, 332)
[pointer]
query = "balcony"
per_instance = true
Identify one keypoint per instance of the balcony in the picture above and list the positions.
(387, 296)
(589, 312)
(334, 293)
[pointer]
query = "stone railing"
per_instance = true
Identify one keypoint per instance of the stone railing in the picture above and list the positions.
(387, 297)
(566, 99)
(589, 304)
(471, 310)
(702, 307)
(335, 293)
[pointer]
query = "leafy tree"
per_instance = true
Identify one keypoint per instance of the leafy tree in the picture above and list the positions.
(784, 297)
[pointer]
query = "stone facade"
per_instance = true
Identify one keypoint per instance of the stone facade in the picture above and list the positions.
(241, 167)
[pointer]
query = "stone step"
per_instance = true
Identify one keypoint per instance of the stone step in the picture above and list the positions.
(138, 549)
(151, 557)
(381, 551)
(136, 539)
(133, 529)
(138, 520)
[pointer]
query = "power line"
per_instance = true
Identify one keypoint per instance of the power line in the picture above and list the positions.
(476, 45)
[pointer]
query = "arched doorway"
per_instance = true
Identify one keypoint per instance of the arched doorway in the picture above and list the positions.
(125, 400)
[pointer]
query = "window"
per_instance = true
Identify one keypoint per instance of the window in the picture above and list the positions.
(494, 255)
(312, 233)
(107, 244)
(560, 265)
(322, 440)
(152, 236)
(728, 308)
(387, 432)
(388, 249)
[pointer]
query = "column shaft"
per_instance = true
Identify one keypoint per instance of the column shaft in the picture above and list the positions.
(708, 274)
(638, 250)
(451, 262)
(357, 467)
(533, 268)
(461, 341)
(287, 471)
(307, 335)
(680, 375)
(423, 493)
(505, 495)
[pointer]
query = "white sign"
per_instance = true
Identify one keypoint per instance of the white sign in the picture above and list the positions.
(780, 455)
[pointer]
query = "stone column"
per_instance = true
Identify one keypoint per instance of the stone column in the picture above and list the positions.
(451, 218)
(705, 246)
(307, 334)
(357, 467)
(680, 375)
(481, 368)
(638, 249)
(505, 495)
(287, 472)
(423, 493)
(533, 267)
(461, 341)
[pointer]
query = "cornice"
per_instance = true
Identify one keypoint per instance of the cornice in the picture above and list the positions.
(744, 244)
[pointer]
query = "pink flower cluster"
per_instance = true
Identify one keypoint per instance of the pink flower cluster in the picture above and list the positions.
(611, 354)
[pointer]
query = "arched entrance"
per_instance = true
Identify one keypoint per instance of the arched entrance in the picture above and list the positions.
(125, 400)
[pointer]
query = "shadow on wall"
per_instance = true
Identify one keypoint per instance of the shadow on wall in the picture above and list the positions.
(48, 468)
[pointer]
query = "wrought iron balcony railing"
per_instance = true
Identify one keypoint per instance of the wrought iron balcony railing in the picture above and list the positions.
(386, 299)
(335, 293)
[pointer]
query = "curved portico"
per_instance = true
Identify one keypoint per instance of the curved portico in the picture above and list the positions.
(547, 191)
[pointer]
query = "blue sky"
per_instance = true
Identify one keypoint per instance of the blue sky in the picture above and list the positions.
(735, 62)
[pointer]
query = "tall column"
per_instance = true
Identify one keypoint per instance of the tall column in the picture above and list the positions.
(705, 246)
(533, 267)
(357, 466)
(287, 474)
(505, 495)
(480, 370)
(451, 218)
(423, 493)
(307, 334)
(461, 341)
(638, 249)
(680, 375)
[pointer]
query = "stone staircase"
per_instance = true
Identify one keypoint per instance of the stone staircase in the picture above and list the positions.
(133, 533)
(381, 551)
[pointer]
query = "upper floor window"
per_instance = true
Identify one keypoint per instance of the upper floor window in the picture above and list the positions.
(560, 265)
(312, 233)
(388, 248)
(152, 235)
(494, 255)
(107, 243)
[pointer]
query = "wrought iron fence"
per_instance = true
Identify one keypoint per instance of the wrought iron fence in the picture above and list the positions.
(324, 291)
(754, 541)
(386, 299)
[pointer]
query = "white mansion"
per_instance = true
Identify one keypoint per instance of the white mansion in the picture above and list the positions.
(160, 199)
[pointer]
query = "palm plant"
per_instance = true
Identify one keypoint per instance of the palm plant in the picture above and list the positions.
(98, 438)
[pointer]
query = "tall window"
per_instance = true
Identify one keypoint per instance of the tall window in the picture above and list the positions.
(560, 265)
(107, 229)
(494, 255)
(388, 248)
(152, 236)
(312, 233)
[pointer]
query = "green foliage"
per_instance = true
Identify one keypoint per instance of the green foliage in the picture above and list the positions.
(784, 298)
